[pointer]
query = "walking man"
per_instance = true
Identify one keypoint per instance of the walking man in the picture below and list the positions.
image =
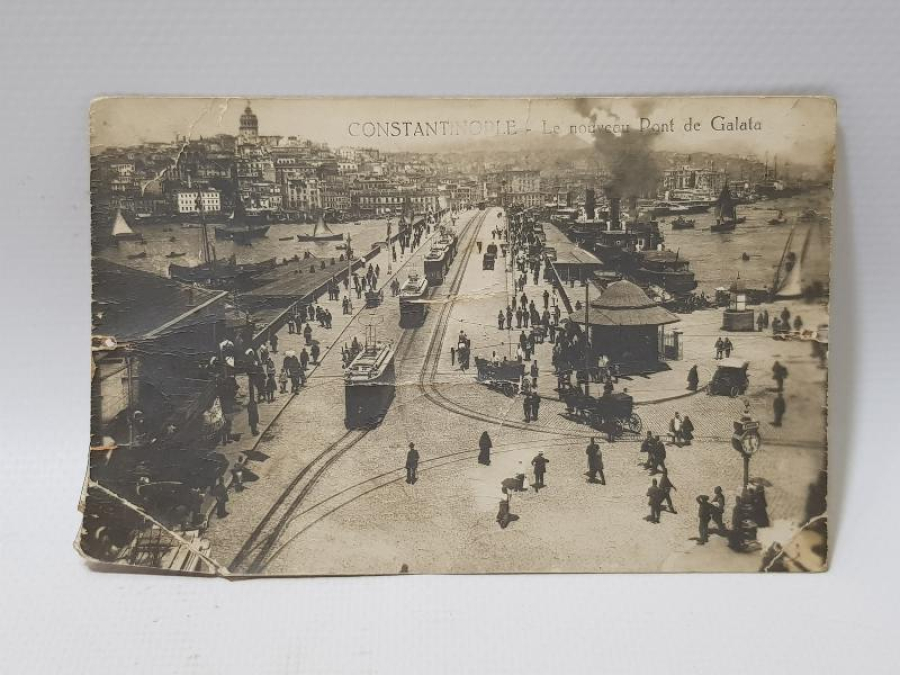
(720, 347)
(666, 486)
(654, 500)
(717, 509)
(704, 513)
(779, 408)
(675, 425)
(535, 405)
(220, 492)
(779, 374)
(412, 463)
(540, 468)
(526, 406)
(595, 462)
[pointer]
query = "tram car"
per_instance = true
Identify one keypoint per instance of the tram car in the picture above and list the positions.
(437, 264)
(448, 239)
(369, 386)
(412, 300)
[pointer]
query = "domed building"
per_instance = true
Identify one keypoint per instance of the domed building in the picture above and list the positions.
(249, 125)
(628, 328)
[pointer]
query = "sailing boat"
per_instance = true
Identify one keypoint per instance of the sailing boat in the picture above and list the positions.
(242, 227)
(806, 271)
(211, 270)
(121, 231)
(787, 275)
(327, 235)
(726, 214)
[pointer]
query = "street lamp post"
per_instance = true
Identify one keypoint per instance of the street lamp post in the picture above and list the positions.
(746, 439)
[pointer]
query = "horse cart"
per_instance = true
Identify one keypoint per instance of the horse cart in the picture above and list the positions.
(503, 376)
(374, 298)
(730, 378)
(612, 414)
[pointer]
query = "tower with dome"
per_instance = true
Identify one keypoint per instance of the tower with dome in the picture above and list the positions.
(249, 125)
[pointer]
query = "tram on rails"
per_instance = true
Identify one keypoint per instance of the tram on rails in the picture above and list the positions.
(440, 257)
(437, 264)
(369, 386)
(412, 300)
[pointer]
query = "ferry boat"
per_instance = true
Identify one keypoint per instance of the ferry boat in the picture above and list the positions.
(369, 386)
(665, 269)
(681, 223)
(680, 207)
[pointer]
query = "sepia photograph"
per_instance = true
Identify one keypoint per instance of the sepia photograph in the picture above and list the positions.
(377, 336)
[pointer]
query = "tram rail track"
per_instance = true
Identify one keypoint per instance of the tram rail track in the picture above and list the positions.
(254, 554)
(427, 375)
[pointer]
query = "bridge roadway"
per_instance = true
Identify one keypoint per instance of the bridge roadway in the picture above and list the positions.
(329, 502)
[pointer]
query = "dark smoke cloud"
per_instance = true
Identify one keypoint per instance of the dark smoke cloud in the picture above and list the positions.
(627, 157)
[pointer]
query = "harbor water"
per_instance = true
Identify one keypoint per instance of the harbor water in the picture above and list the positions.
(717, 258)
(164, 238)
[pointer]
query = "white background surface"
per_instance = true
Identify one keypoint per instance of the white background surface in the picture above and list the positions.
(59, 617)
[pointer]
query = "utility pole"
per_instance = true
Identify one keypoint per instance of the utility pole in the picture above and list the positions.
(587, 340)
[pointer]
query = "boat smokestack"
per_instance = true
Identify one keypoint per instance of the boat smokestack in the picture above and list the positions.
(590, 204)
(615, 215)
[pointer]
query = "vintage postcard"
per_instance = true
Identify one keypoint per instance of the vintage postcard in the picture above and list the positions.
(402, 335)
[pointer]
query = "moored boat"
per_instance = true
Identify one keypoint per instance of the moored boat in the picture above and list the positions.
(726, 213)
(121, 230)
(326, 235)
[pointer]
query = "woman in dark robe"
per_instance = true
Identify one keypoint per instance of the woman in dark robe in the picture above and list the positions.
(484, 447)
(693, 378)
(687, 430)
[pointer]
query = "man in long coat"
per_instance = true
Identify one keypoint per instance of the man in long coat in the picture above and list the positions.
(540, 468)
(412, 463)
(595, 462)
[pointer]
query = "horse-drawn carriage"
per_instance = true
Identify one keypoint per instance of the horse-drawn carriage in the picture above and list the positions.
(490, 257)
(730, 378)
(503, 376)
(374, 298)
(612, 414)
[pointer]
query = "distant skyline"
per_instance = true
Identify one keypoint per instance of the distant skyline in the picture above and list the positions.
(797, 130)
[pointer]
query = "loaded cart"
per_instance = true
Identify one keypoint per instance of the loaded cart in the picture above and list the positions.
(611, 413)
(504, 376)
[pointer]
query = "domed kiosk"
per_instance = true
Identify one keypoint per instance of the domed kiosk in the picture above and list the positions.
(628, 328)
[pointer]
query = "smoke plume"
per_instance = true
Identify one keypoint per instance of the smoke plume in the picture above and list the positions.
(628, 156)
